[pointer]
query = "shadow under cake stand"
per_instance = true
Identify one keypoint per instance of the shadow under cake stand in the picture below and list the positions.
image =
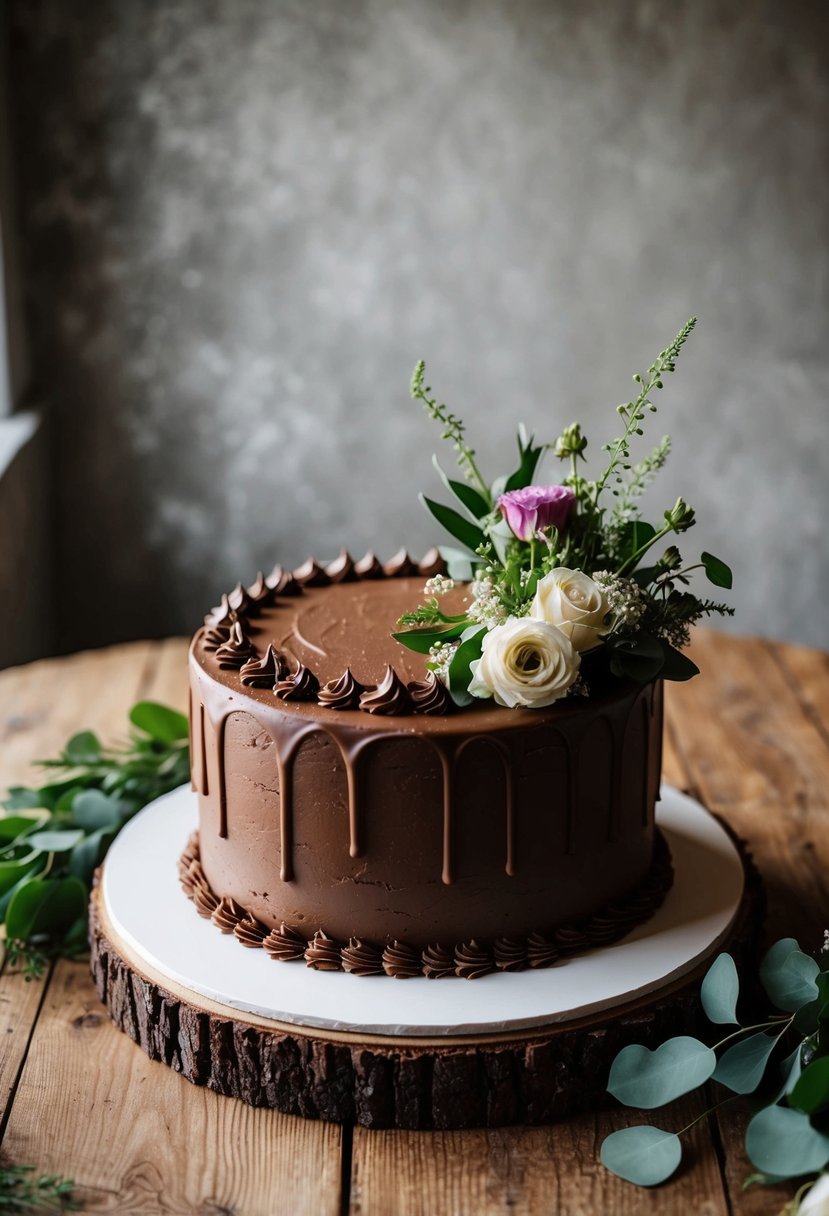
(518, 1047)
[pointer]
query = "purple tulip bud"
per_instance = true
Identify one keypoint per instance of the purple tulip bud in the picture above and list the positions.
(531, 510)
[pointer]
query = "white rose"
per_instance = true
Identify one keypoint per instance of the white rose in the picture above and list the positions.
(816, 1202)
(524, 662)
(573, 602)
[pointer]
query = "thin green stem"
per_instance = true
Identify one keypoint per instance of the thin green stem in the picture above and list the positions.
(632, 561)
(705, 1114)
(760, 1026)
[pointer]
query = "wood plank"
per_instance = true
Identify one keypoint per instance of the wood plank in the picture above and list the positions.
(807, 674)
(167, 681)
(42, 704)
(553, 1170)
(19, 1006)
(136, 1137)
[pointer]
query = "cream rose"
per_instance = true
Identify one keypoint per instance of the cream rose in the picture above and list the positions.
(524, 662)
(816, 1202)
(573, 602)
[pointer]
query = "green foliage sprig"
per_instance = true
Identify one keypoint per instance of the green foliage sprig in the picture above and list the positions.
(784, 1058)
(53, 837)
(22, 1191)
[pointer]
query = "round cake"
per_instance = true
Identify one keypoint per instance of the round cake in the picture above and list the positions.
(352, 817)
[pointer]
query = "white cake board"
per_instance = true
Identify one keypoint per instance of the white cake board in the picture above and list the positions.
(146, 906)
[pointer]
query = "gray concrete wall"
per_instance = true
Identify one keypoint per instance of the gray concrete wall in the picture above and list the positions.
(243, 222)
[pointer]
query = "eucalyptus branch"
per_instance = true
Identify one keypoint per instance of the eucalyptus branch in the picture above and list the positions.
(453, 429)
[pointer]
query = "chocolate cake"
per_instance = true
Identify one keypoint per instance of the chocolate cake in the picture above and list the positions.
(352, 817)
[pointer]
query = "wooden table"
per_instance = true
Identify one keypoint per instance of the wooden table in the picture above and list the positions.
(750, 737)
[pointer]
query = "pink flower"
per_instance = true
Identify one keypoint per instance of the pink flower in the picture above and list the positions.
(534, 508)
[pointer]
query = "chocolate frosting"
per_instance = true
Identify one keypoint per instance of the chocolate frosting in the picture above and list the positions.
(311, 574)
(390, 696)
(237, 650)
(467, 960)
(368, 567)
(285, 944)
(283, 583)
(401, 962)
(341, 570)
(430, 695)
(215, 636)
(431, 564)
(239, 600)
(260, 593)
(221, 617)
(472, 960)
(300, 685)
(401, 565)
(264, 672)
(361, 958)
(438, 962)
(343, 693)
(323, 953)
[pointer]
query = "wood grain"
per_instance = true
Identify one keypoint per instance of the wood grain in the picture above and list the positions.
(136, 1138)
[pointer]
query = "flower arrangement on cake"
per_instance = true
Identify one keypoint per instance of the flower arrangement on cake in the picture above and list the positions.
(565, 588)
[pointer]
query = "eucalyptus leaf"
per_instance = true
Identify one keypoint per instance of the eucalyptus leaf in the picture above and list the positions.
(14, 827)
(55, 841)
(720, 990)
(456, 525)
(93, 809)
(790, 1070)
(809, 1016)
(718, 573)
(45, 906)
(459, 673)
(12, 870)
(645, 1078)
(88, 853)
(741, 1068)
(84, 748)
(643, 1155)
(21, 799)
(159, 721)
(788, 975)
(783, 1142)
(810, 1093)
(459, 565)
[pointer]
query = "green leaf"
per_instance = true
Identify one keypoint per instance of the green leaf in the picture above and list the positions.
(45, 906)
(633, 535)
(639, 658)
(741, 1068)
(20, 798)
(13, 827)
(93, 809)
(677, 666)
(459, 673)
(422, 640)
(456, 525)
(12, 871)
(788, 975)
(782, 1141)
(84, 748)
(790, 1070)
(51, 841)
(88, 854)
(523, 475)
(643, 1155)
(717, 571)
(720, 990)
(810, 1092)
(640, 1077)
(159, 721)
(471, 498)
(809, 1016)
(459, 565)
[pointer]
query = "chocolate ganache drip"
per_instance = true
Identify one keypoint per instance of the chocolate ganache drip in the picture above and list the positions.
(368, 567)
(300, 685)
(430, 695)
(400, 961)
(438, 962)
(285, 944)
(342, 693)
(390, 696)
(264, 672)
(361, 958)
(237, 650)
(472, 960)
(323, 953)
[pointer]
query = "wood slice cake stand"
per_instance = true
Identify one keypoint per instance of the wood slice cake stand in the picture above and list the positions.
(527, 1047)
